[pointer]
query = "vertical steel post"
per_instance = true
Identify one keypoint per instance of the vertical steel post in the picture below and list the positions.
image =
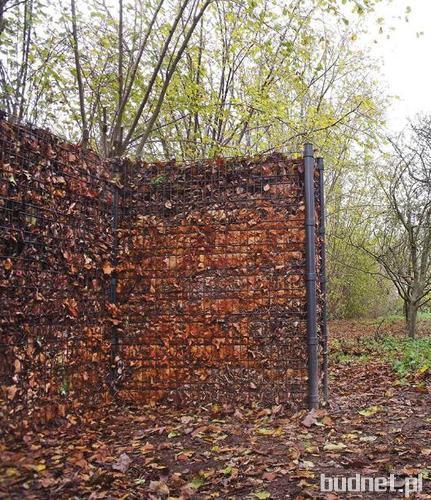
(310, 277)
(323, 280)
(113, 281)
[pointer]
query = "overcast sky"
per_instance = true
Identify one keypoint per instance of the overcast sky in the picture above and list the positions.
(406, 58)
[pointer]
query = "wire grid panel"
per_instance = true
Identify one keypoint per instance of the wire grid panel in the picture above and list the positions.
(55, 206)
(211, 282)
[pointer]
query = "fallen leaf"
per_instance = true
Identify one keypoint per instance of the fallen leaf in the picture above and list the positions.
(307, 464)
(159, 487)
(263, 431)
(368, 412)
(262, 495)
(12, 390)
(17, 365)
(327, 421)
(39, 467)
(269, 476)
(334, 447)
(368, 439)
(48, 482)
(184, 456)
(123, 463)
(147, 448)
(196, 483)
(310, 419)
(107, 268)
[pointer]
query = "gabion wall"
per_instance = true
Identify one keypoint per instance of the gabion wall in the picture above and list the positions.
(55, 212)
(211, 280)
(148, 282)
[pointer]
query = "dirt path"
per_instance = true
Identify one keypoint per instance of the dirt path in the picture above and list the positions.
(227, 453)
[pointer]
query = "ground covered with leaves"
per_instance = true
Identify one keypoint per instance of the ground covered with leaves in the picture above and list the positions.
(378, 422)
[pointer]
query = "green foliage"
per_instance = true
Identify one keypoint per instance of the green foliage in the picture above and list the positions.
(408, 357)
(159, 179)
(338, 355)
(357, 287)
(261, 88)
(28, 60)
(356, 290)
(255, 75)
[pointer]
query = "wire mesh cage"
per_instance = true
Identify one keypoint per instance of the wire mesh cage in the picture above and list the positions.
(211, 275)
(55, 204)
(184, 283)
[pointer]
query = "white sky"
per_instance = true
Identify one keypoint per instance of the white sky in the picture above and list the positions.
(406, 58)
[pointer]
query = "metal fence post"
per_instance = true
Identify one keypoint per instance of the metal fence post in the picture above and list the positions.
(113, 281)
(323, 280)
(310, 277)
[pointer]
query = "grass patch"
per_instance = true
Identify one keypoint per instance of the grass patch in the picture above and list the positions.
(422, 316)
(406, 356)
(391, 319)
(345, 352)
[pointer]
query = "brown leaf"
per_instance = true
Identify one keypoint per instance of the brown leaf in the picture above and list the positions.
(269, 476)
(72, 307)
(48, 481)
(123, 463)
(159, 487)
(12, 390)
(310, 419)
(327, 421)
(18, 366)
(107, 268)
(184, 456)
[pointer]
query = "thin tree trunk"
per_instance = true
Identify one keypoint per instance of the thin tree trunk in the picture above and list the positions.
(170, 73)
(26, 62)
(119, 121)
(411, 313)
(18, 106)
(79, 75)
(153, 78)
(2, 21)
(130, 79)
